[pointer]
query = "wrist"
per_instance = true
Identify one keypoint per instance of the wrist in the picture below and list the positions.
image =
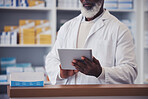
(99, 73)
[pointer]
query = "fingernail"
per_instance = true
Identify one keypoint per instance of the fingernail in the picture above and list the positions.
(82, 58)
(74, 61)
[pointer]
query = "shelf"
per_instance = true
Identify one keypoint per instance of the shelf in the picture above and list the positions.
(23, 8)
(112, 10)
(25, 45)
(4, 83)
(68, 9)
(121, 10)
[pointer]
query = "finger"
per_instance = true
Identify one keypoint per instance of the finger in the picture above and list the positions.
(71, 73)
(95, 60)
(76, 71)
(81, 64)
(60, 67)
(77, 67)
(86, 60)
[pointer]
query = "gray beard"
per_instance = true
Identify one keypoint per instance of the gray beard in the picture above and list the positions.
(92, 12)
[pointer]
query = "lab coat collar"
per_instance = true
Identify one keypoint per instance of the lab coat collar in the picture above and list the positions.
(103, 17)
(99, 23)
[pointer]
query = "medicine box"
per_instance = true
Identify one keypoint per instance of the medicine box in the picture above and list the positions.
(3, 78)
(125, 1)
(27, 79)
(125, 5)
(10, 28)
(112, 5)
(36, 3)
(42, 23)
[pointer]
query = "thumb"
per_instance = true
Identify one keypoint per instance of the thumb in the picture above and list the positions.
(95, 60)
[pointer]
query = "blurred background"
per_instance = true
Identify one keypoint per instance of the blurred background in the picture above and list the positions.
(28, 30)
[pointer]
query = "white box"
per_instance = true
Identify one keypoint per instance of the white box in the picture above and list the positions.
(3, 78)
(1, 3)
(0, 37)
(10, 70)
(8, 3)
(28, 69)
(7, 40)
(111, 5)
(3, 37)
(125, 6)
(13, 38)
(27, 79)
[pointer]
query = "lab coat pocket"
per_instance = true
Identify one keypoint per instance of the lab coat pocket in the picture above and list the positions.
(105, 52)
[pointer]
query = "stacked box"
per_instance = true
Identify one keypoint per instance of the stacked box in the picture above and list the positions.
(6, 62)
(43, 32)
(44, 35)
(11, 28)
(111, 4)
(1, 3)
(44, 39)
(28, 36)
(27, 32)
(36, 3)
(42, 23)
(8, 38)
(8, 3)
(68, 3)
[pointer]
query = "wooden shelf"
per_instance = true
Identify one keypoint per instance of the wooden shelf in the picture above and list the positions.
(78, 90)
(26, 45)
(25, 8)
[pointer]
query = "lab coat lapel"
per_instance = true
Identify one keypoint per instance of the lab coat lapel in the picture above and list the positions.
(98, 25)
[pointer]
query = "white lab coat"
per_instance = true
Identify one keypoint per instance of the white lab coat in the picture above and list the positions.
(111, 43)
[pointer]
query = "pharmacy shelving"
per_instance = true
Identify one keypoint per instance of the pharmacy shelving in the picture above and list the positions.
(55, 14)
(112, 10)
(68, 9)
(34, 54)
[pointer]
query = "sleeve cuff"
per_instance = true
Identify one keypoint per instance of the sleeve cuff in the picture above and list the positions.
(102, 75)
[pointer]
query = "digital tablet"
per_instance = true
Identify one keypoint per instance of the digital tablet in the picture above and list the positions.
(67, 55)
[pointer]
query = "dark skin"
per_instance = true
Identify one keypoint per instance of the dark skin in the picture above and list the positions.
(88, 67)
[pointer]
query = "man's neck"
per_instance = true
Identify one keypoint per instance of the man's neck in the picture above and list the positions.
(98, 14)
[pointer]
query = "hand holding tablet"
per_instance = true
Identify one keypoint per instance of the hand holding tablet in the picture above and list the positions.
(67, 55)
